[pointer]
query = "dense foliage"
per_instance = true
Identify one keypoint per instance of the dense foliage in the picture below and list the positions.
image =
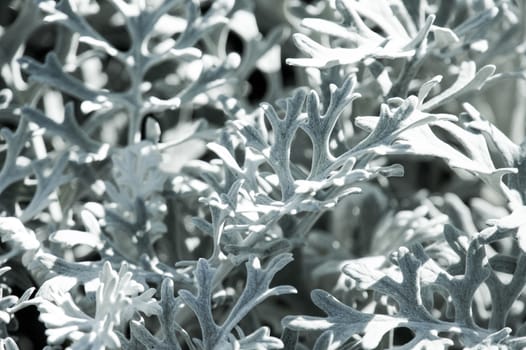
(270, 174)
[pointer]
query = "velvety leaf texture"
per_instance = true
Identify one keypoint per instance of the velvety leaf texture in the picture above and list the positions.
(250, 175)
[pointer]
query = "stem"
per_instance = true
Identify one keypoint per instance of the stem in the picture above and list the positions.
(134, 134)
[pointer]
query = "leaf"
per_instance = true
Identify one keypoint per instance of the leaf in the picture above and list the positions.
(68, 128)
(201, 304)
(426, 88)
(260, 339)
(200, 25)
(320, 127)
(225, 155)
(8, 344)
(516, 221)
(323, 57)
(17, 33)
(256, 290)
(47, 184)
(404, 285)
(444, 37)
(13, 231)
(392, 124)
(15, 167)
(65, 13)
(468, 80)
(342, 322)
(365, 43)
(73, 237)
(210, 77)
(52, 74)
(60, 275)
